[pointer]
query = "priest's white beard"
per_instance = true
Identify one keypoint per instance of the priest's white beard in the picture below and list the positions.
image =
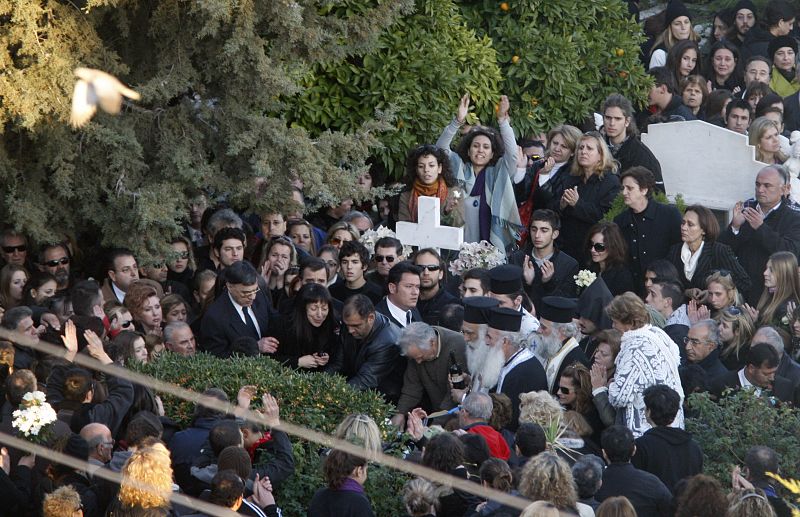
(476, 352)
(492, 365)
(548, 346)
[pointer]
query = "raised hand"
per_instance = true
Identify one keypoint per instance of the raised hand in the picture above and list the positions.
(245, 395)
(463, 109)
(599, 376)
(70, 337)
(502, 111)
(548, 270)
(271, 410)
(528, 270)
(738, 217)
(95, 347)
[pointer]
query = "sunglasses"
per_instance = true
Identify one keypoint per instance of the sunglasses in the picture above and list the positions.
(431, 267)
(53, 263)
(12, 249)
(564, 390)
(126, 324)
(387, 258)
(599, 247)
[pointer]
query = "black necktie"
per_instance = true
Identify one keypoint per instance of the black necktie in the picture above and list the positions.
(248, 321)
(408, 317)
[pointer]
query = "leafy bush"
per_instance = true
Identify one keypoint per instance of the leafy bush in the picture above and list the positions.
(316, 401)
(421, 67)
(725, 430)
(561, 59)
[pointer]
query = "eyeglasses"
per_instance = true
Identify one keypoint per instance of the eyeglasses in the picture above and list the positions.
(125, 324)
(694, 341)
(430, 267)
(599, 247)
(331, 263)
(564, 390)
(53, 263)
(387, 258)
(12, 249)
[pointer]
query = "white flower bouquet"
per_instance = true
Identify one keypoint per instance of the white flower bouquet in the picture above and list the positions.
(584, 278)
(34, 418)
(476, 254)
(370, 237)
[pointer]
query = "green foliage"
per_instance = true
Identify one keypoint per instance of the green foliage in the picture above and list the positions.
(418, 71)
(316, 401)
(209, 73)
(725, 430)
(618, 206)
(561, 59)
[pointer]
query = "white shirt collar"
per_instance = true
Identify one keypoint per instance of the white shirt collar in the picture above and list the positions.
(241, 315)
(396, 312)
(747, 384)
(119, 293)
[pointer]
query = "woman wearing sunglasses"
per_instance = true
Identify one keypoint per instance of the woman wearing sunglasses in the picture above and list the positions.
(700, 254)
(428, 174)
(181, 266)
(119, 318)
(575, 393)
(341, 232)
(608, 257)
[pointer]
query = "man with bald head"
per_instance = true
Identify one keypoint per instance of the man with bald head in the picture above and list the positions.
(763, 225)
(101, 445)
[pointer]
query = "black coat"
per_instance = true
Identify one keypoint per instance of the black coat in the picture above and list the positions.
(714, 257)
(712, 365)
(649, 236)
(782, 388)
(383, 307)
(339, 503)
(633, 152)
(576, 355)
(222, 324)
(547, 195)
(618, 279)
(561, 284)
(526, 376)
(780, 232)
(595, 199)
(668, 453)
(648, 495)
(291, 348)
(373, 362)
(430, 309)
(791, 112)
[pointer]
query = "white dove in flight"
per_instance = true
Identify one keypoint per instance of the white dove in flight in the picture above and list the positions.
(94, 87)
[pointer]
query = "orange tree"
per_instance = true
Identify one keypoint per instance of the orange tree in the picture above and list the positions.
(561, 59)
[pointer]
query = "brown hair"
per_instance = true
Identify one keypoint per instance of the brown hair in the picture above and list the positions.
(582, 381)
(642, 176)
(614, 241)
(703, 496)
(628, 309)
(613, 338)
(787, 286)
(618, 506)
(501, 411)
(338, 466)
(137, 294)
(708, 223)
(497, 474)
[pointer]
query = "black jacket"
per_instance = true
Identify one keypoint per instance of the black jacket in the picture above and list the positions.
(649, 236)
(648, 495)
(780, 232)
(712, 365)
(595, 199)
(668, 453)
(782, 388)
(372, 363)
(430, 309)
(526, 376)
(676, 111)
(561, 284)
(383, 307)
(339, 503)
(618, 279)
(756, 43)
(222, 324)
(715, 256)
(633, 152)
(791, 113)
(547, 195)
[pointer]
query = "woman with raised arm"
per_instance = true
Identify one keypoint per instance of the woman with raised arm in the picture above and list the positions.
(486, 165)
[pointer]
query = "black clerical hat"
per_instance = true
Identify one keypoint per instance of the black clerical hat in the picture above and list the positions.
(503, 318)
(505, 279)
(476, 309)
(557, 309)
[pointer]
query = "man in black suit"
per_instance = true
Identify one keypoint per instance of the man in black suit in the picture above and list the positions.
(522, 371)
(400, 305)
(758, 374)
(787, 367)
(242, 309)
(702, 344)
(763, 226)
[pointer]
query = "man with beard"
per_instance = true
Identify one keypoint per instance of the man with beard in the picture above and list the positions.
(55, 259)
(521, 372)
(432, 296)
(557, 343)
(592, 316)
(506, 288)
(484, 371)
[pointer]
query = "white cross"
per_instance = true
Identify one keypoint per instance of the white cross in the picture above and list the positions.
(427, 232)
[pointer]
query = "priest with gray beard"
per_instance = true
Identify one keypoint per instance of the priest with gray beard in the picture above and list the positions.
(521, 372)
(557, 338)
(484, 369)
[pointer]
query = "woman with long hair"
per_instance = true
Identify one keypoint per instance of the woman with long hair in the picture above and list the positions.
(763, 135)
(180, 264)
(701, 254)
(174, 308)
(547, 477)
(694, 91)
(608, 254)
(12, 283)
(128, 347)
(146, 481)
(341, 232)
(496, 474)
(736, 329)
(445, 453)
(575, 393)
(724, 68)
(311, 333)
(428, 173)
(683, 60)
(678, 28)
(485, 165)
(302, 234)
(588, 193)
(39, 288)
(703, 496)
(145, 306)
(781, 290)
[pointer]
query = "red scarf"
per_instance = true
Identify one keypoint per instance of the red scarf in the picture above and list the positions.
(437, 189)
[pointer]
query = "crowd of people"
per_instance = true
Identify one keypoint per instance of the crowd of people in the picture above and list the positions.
(598, 329)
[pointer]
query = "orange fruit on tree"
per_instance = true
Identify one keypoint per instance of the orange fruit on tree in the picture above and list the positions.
(620, 52)
(504, 6)
(515, 59)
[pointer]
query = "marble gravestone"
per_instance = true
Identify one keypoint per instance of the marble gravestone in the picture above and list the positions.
(428, 232)
(706, 164)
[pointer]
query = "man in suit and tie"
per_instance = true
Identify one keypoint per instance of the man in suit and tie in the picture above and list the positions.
(757, 375)
(242, 309)
(400, 305)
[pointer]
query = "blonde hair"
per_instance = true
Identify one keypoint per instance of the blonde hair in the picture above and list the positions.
(607, 162)
(749, 502)
(787, 286)
(756, 132)
(726, 281)
(546, 477)
(361, 430)
(62, 501)
(147, 478)
(743, 330)
(541, 509)
(539, 407)
(629, 309)
(419, 497)
(570, 134)
(668, 39)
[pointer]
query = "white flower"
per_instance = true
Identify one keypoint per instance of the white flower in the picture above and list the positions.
(785, 320)
(34, 415)
(370, 237)
(584, 278)
(456, 194)
(476, 254)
